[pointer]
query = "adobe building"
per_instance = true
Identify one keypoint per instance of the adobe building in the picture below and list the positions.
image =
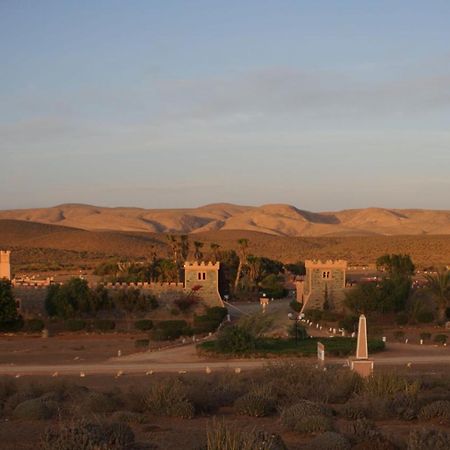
(324, 285)
(5, 266)
(203, 278)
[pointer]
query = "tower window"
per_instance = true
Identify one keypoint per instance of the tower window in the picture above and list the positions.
(326, 274)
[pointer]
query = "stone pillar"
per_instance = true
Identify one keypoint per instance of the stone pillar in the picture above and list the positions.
(362, 365)
(5, 266)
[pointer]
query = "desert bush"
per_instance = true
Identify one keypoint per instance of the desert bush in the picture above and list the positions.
(294, 379)
(314, 314)
(439, 409)
(35, 409)
(258, 402)
(166, 330)
(236, 340)
(141, 343)
(8, 387)
(425, 336)
(88, 436)
(103, 325)
(143, 325)
(349, 323)
(75, 324)
(128, 417)
(219, 436)
(425, 317)
(399, 335)
(210, 321)
(296, 306)
(401, 318)
(98, 403)
(404, 406)
(360, 430)
(428, 439)
(386, 384)
(34, 325)
(329, 441)
(306, 417)
(169, 398)
(440, 338)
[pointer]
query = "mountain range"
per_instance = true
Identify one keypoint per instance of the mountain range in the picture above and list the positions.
(273, 219)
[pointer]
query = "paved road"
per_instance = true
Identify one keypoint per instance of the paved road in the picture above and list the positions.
(184, 358)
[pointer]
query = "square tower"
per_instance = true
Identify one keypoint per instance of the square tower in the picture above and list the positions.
(324, 284)
(5, 266)
(204, 279)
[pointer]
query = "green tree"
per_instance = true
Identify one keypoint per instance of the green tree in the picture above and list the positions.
(439, 286)
(363, 299)
(9, 317)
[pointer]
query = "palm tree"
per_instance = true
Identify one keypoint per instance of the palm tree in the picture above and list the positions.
(184, 246)
(254, 264)
(173, 246)
(215, 251)
(243, 247)
(439, 286)
(198, 255)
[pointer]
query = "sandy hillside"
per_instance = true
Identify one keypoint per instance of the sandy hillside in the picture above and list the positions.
(276, 219)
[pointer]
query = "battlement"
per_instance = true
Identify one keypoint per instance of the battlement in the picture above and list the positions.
(330, 263)
(140, 285)
(201, 265)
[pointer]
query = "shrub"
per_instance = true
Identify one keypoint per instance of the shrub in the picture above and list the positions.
(186, 302)
(296, 306)
(387, 384)
(427, 439)
(98, 403)
(399, 335)
(349, 323)
(75, 324)
(104, 325)
(141, 343)
(259, 402)
(170, 329)
(425, 336)
(235, 339)
(143, 325)
(34, 325)
(314, 314)
(439, 409)
(441, 338)
(210, 321)
(35, 409)
(219, 436)
(360, 430)
(425, 317)
(329, 441)
(401, 318)
(306, 417)
(169, 398)
(128, 417)
(88, 436)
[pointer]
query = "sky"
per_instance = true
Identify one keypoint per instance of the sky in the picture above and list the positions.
(324, 105)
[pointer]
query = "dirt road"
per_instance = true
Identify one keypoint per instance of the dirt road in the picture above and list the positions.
(185, 358)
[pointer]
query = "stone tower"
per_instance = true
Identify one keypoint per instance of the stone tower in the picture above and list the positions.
(324, 283)
(5, 266)
(204, 279)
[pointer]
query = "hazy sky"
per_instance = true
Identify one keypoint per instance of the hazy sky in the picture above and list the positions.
(322, 104)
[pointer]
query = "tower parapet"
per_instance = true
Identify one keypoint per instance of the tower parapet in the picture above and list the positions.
(203, 277)
(5, 265)
(324, 284)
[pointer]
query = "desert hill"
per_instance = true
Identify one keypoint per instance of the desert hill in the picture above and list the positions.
(275, 219)
(38, 246)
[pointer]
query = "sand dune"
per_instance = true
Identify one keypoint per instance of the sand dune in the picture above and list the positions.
(274, 219)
